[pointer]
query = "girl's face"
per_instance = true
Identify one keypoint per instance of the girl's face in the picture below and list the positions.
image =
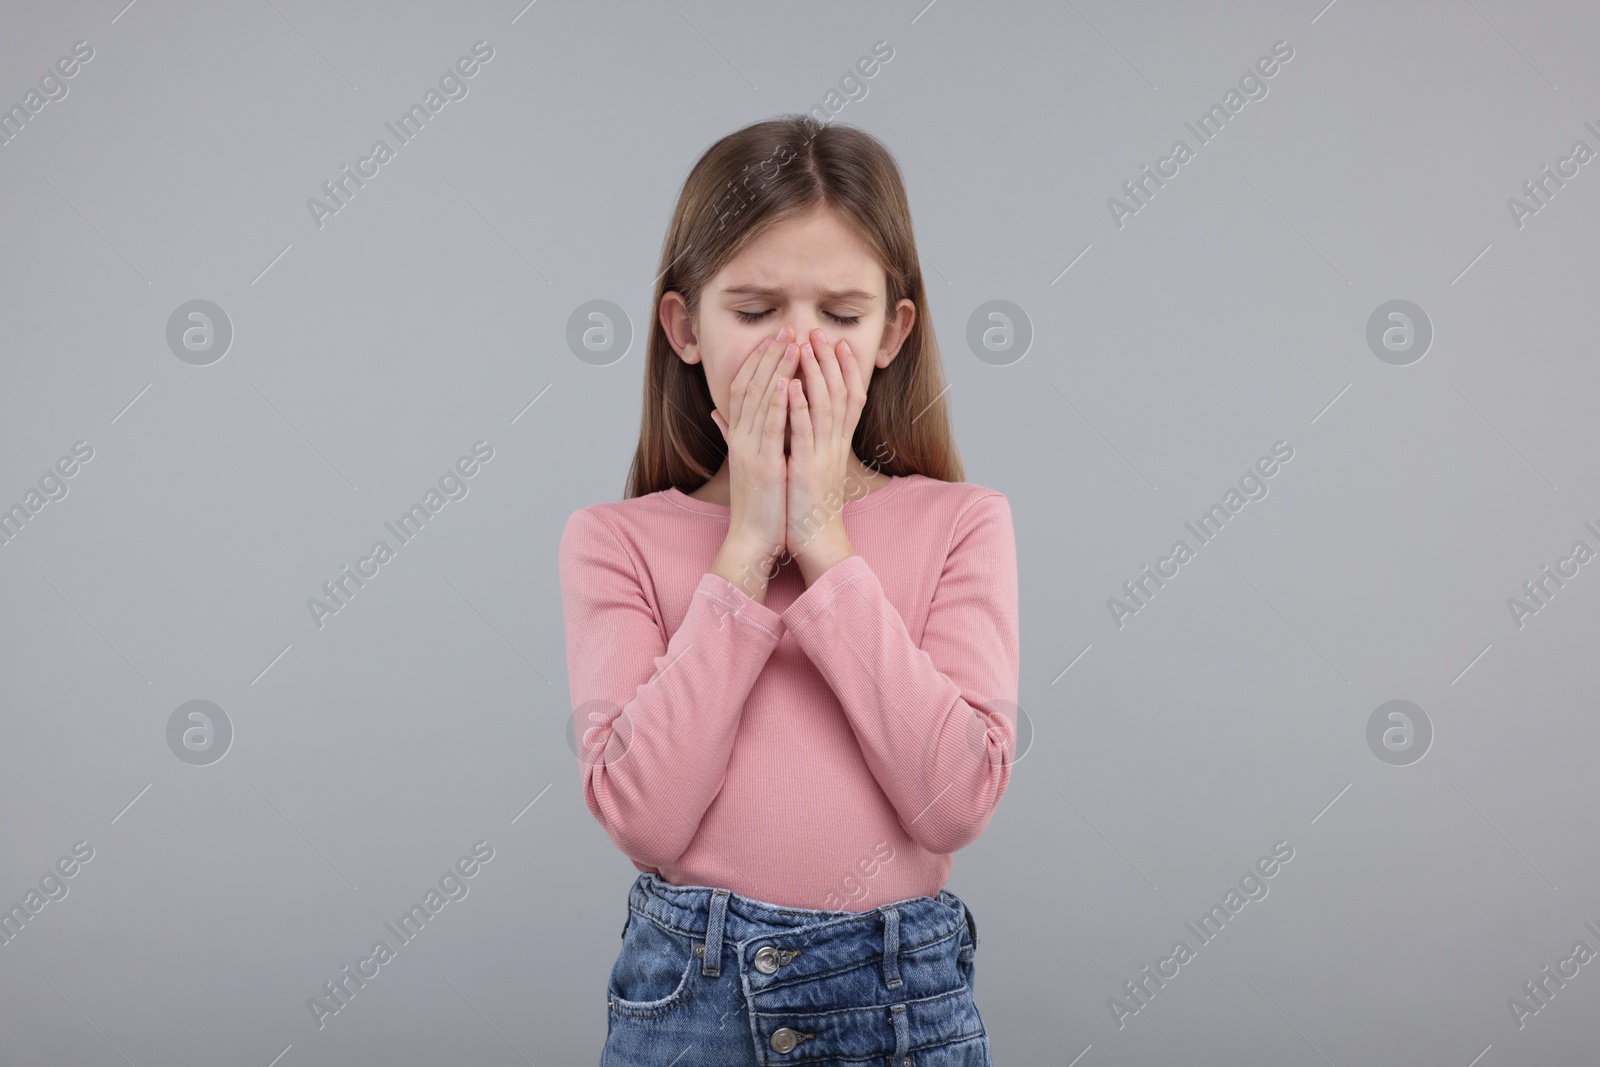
(807, 272)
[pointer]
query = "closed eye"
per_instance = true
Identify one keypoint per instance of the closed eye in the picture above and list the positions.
(757, 316)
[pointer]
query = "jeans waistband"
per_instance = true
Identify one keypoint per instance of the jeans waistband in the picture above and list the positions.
(721, 917)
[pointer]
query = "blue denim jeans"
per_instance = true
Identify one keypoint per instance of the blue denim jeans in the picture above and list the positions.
(709, 978)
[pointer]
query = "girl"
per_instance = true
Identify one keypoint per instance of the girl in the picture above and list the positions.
(793, 647)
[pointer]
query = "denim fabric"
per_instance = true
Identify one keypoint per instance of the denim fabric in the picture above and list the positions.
(888, 987)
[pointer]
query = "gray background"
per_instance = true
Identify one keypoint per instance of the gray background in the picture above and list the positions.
(431, 312)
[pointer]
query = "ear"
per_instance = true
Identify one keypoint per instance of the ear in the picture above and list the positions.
(678, 325)
(895, 331)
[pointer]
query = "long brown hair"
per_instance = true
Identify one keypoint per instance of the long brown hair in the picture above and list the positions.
(743, 184)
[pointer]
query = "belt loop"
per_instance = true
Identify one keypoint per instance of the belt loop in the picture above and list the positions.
(902, 1035)
(891, 946)
(713, 942)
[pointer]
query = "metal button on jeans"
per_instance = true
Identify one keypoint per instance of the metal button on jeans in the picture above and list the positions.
(766, 962)
(784, 1039)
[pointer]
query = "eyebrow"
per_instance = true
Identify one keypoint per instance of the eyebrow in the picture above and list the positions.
(829, 294)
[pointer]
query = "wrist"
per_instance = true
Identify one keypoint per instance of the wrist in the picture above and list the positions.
(821, 553)
(747, 564)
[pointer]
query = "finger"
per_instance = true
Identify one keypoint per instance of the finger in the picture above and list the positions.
(800, 420)
(777, 413)
(716, 417)
(761, 426)
(817, 386)
(828, 358)
(762, 365)
(783, 359)
(816, 394)
(772, 359)
(745, 388)
(855, 386)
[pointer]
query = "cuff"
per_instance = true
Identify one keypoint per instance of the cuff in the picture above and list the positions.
(741, 605)
(825, 590)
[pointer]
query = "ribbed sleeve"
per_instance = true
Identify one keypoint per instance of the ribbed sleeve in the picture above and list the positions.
(936, 723)
(654, 720)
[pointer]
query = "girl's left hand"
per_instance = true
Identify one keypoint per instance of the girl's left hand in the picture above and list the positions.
(823, 413)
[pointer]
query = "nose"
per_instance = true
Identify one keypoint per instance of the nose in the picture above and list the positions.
(804, 324)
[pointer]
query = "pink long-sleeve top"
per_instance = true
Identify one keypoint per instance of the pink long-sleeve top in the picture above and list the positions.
(829, 748)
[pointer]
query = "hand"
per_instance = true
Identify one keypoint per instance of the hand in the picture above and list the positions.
(757, 473)
(823, 414)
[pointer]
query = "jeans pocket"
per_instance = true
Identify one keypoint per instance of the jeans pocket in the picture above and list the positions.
(656, 971)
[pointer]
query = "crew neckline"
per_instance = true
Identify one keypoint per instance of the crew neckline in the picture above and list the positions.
(708, 507)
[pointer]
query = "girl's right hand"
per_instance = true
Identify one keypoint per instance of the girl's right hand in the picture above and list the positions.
(757, 484)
